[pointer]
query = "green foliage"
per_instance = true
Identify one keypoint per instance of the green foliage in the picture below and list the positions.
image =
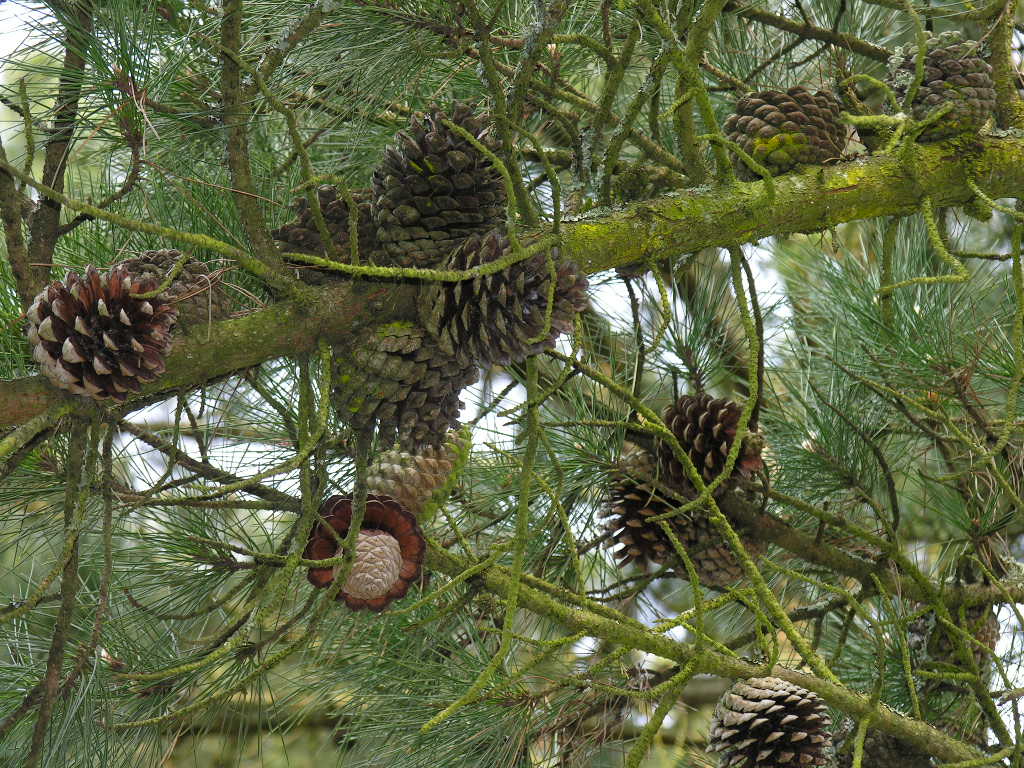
(880, 362)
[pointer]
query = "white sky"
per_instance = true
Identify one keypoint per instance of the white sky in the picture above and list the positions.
(12, 27)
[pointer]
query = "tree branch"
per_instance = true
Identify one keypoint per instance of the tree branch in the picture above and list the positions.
(498, 579)
(811, 32)
(816, 199)
(681, 223)
(44, 222)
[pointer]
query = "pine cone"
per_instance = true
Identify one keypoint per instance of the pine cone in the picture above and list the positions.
(633, 501)
(783, 130)
(705, 428)
(389, 550)
(434, 189)
(953, 71)
(301, 236)
(195, 293)
(412, 478)
(493, 318)
(399, 377)
(766, 722)
(92, 338)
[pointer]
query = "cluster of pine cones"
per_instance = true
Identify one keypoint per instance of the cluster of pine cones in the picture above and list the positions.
(437, 201)
(652, 484)
(783, 129)
(93, 337)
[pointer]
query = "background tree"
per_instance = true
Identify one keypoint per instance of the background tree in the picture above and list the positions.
(791, 408)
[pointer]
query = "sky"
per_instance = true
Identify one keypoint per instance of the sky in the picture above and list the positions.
(12, 27)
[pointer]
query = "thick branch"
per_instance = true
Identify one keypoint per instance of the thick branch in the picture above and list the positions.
(811, 201)
(675, 224)
(335, 313)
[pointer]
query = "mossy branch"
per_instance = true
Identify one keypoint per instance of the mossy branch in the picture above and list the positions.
(812, 200)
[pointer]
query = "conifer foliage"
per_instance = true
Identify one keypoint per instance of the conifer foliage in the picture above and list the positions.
(515, 384)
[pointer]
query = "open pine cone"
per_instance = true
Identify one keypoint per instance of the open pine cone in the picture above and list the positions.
(766, 722)
(389, 551)
(500, 318)
(92, 338)
(633, 501)
(706, 428)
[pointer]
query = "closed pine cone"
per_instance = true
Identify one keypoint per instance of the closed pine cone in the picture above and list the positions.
(500, 318)
(412, 478)
(92, 338)
(954, 71)
(766, 722)
(397, 376)
(433, 189)
(783, 129)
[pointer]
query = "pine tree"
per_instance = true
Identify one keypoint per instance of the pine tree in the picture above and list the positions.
(449, 270)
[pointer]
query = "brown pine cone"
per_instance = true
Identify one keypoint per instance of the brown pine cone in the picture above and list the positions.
(766, 722)
(301, 235)
(632, 503)
(397, 377)
(781, 130)
(706, 428)
(954, 71)
(389, 551)
(92, 338)
(495, 318)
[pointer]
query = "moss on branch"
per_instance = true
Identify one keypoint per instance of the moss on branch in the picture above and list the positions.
(816, 199)
(499, 579)
(813, 200)
(335, 313)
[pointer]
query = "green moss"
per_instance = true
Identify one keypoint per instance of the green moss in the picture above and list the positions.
(397, 325)
(782, 151)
